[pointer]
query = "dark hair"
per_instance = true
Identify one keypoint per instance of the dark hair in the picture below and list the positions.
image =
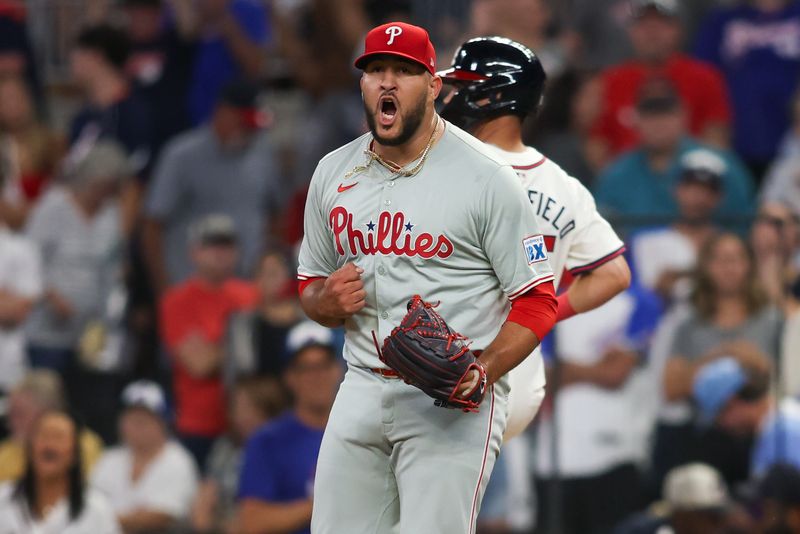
(704, 294)
(756, 385)
(265, 392)
(109, 41)
(26, 487)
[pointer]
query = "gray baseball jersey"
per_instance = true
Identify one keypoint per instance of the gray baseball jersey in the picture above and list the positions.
(461, 232)
(577, 239)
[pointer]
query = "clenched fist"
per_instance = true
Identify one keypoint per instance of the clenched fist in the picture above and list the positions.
(343, 292)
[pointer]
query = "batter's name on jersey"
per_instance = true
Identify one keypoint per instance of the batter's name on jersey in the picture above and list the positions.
(391, 235)
(535, 249)
(548, 209)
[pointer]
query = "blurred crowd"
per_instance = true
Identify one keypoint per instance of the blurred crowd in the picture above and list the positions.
(157, 373)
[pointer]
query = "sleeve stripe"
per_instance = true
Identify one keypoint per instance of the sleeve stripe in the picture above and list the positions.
(533, 283)
(597, 263)
(305, 276)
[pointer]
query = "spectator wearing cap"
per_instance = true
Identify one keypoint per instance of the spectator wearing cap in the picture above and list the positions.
(149, 479)
(694, 501)
(40, 391)
(655, 30)
(232, 37)
(697, 194)
(161, 60)
(641, 183)
(756, 46)
(111, 109)
(254, 401)
(736, 398)
(779, 500)
(194, 315)
(224, 167)
(76, 227)
(729, 314)
(256, 340)
(277, 477)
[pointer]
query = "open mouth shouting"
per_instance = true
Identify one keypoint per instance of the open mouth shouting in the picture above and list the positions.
(387, 111)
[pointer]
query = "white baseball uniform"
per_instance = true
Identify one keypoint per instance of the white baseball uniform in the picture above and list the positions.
(460, 232)
(578, 240)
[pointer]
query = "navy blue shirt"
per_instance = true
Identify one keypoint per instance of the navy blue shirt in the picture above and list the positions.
(129, 122)
(279, 462)
(759, 54)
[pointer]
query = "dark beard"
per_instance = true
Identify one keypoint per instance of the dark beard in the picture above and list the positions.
(411, 123)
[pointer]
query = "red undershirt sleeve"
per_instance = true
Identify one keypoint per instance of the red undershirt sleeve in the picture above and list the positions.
(536, 309)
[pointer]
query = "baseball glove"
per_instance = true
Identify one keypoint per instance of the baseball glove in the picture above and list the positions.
(428, 354)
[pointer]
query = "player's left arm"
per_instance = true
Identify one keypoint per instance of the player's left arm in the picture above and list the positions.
(595, 258)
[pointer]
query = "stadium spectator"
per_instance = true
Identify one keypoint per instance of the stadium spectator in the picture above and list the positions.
(223, 167)
(20, 288)
(569, 108)
(775, 238)
(194, 315)
(730, 315)
(233, 35)
(161, 60)
(789, 363)
(697, 193)
(599, 27)
(111, 110)
(655, 31)
(29, 152)
(77, 230)
(779, 500)
(756, 46)
(598, 370)
(16, 52)
(254, 401)
(736, 398)
(38, 392)
(641, 182)
(256, 340)
(149, 479)
(52, 496)
(695, 501)
(782, 181)
(277, 478)
(529, 22)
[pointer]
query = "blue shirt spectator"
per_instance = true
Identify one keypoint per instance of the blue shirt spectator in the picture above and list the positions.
(631, 186)
(778, 440)
(216, 63)
(758, 51)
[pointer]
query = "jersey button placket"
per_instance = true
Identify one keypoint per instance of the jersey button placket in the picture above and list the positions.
(380, 269)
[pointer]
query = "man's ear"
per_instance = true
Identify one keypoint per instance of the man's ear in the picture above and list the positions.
(436, 86)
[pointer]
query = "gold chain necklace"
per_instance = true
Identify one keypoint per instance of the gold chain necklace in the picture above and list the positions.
(402, 171)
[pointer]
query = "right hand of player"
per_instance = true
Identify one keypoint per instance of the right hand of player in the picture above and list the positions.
(343, 292)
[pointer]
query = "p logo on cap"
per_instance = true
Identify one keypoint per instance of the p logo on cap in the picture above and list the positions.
(385, 40)
(392, 32)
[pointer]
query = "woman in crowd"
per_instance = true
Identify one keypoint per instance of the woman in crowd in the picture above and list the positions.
(254, 401)
(730, 315)
(52, 495)
(29, 152)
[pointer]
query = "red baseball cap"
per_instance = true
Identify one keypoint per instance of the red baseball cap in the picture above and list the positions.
(399, 39)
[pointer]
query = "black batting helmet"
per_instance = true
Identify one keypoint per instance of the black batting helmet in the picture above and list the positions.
(493, 76)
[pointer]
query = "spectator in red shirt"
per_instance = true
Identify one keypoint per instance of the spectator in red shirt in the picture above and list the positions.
(655, 31)
(194, 315)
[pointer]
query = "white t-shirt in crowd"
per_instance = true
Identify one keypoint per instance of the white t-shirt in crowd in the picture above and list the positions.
(21, 275)
(167, 485)
(97, 516)
(598, 429)
(655, 252)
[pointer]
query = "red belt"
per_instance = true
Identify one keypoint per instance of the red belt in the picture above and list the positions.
(385, 373)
